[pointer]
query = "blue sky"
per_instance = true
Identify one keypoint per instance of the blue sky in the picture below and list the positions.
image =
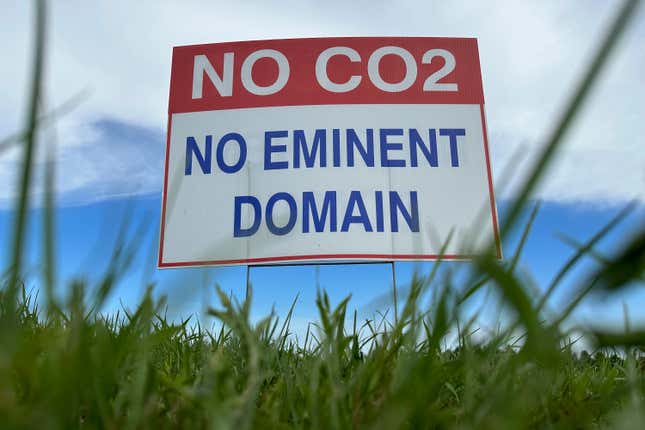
(111, 147)
(86, 236)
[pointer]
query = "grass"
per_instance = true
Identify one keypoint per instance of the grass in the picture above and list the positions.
(66, 365)
(137, 370)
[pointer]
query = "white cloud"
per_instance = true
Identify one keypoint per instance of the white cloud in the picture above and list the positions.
(103, 160)
(531, 56)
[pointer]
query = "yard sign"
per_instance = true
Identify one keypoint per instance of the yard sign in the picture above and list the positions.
(330, 149)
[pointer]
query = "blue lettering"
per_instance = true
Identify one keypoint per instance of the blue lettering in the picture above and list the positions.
(319, 218)
(355, 199)
(411, 219)
(336, 146)
(378, 195)
(238, 231)
(269, 149)
(203, 160)
(280, 231)
(453, 133)
(354, 142)
(319, 145)
(220, 153)
(429, 152)
(390, 146)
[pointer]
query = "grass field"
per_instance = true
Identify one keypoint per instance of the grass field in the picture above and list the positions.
(140, 371)
(64, 365)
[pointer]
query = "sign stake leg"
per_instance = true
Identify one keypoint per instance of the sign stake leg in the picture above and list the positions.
(248, 283)
(395, 294)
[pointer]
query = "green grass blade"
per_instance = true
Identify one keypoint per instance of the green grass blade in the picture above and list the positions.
(22, 203)
(627, 266)
(516, 257)
(581, 252)
(603, 338)
(524, 237)
(49, 260)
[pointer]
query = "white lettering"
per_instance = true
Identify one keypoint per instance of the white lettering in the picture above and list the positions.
(224, 84)
(321, 69)
(375, 75)
(283, 72)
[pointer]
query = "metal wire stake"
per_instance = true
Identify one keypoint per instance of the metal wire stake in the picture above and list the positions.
(396, 310)
(248, 284)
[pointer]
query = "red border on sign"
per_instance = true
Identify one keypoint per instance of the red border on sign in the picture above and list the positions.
(285, 259)
(163, 199)
(491, 191)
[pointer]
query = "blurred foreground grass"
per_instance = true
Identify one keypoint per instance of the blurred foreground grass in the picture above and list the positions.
(77, 370)
(68, 366)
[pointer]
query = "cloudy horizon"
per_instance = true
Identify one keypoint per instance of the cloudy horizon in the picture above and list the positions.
(112, 144)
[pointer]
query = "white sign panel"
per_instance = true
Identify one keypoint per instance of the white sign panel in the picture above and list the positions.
(343, 149)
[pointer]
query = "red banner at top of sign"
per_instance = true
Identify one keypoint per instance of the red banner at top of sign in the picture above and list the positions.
(325, 71)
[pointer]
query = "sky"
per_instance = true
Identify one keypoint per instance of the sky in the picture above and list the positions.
(110, 148)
